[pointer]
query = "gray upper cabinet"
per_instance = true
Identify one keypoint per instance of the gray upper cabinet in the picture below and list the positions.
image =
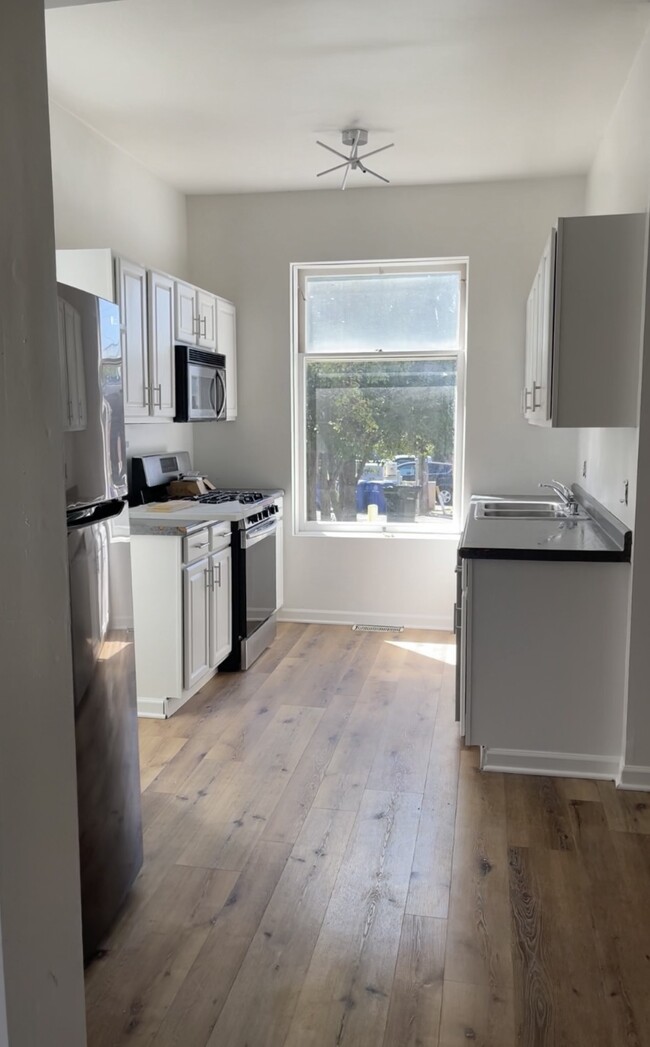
(583, 324)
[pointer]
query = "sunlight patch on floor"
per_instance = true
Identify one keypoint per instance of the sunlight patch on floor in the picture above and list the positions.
(439, 652)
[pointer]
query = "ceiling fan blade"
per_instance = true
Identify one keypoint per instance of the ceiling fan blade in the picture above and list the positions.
(373, 151)
(345, 175)
(366, 170)
(342, 155)
(330, 169)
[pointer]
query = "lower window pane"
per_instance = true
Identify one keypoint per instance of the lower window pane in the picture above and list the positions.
(380, 441)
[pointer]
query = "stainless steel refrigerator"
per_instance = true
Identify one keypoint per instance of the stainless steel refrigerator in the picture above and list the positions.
(108, 774)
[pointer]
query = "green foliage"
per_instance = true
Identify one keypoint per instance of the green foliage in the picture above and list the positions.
(361, 411)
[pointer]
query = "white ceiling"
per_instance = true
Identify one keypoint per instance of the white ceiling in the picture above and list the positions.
(231, 95)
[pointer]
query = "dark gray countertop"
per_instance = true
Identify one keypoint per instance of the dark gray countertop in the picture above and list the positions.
(600, 537)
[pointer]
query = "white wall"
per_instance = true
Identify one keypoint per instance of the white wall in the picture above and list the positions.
(619, 182)
(41, 998)
(105, 198)
(242, 246)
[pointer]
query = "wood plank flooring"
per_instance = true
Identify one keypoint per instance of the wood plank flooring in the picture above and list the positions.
(325, 866)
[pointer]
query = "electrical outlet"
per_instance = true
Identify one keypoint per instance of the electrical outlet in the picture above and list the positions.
(584, 469)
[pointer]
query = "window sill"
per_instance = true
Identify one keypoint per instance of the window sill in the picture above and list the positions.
(444, 535)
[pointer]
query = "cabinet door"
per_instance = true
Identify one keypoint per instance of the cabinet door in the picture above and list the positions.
(186, 320)
(196, 647)
(531, 350)
(546, 304)
(131, 283)
(207, 316)
(227, 346)
(220, 607)
(465, 652)
(161, 344)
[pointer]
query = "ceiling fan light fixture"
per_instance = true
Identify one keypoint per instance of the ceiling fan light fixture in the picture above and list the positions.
(354, 138)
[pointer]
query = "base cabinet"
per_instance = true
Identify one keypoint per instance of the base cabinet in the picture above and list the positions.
(182, 611)
(543, 664)
(219, 608)
(196, 609)
(207, 635)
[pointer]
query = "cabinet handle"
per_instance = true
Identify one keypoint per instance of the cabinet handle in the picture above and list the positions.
(527, 397)
(159, 388)
(219, 578)
(196, 324)
(203, 320)
(147, 397)
(209, 577)
(536, 388)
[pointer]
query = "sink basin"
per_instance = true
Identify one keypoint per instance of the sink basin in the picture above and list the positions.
(520, 509)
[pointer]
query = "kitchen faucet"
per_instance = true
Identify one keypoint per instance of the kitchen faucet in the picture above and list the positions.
(565, 494)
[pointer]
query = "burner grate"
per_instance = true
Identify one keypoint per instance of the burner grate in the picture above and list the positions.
(244, 497)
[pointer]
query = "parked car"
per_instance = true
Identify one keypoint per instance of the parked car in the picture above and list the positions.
(440, 473)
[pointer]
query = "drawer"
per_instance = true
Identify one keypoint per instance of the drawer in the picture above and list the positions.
(196, 545)
(219, 536)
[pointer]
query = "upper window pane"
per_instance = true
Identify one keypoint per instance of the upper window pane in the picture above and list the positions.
(391, 312)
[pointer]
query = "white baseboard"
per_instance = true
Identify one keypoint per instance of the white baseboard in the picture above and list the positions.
(153, 708)
(634, 777)
(443, 623)
(555, 765)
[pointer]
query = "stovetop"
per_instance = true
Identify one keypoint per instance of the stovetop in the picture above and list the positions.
(243, 497)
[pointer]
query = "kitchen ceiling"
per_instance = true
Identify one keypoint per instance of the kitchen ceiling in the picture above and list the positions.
(223, 96)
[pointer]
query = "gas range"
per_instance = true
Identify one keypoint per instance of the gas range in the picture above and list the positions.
(152, 474)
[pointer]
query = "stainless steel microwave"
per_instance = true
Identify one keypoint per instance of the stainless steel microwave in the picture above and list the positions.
(200, 385)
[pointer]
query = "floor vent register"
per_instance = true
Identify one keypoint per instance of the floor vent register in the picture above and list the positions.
(378, 628)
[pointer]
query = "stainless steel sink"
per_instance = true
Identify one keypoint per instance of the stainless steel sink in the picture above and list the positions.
(521, 509)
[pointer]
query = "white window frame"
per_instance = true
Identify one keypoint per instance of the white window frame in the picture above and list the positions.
(299, 272)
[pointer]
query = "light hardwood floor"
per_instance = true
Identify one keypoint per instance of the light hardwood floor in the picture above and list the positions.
(325, 866)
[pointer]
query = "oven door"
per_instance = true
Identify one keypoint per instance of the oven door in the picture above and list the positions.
(259, 550)
(206, 392)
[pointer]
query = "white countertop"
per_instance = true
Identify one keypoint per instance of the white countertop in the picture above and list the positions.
(180, 517)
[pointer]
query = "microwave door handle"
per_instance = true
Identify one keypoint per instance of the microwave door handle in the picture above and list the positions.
(213, 394)
(222, 394)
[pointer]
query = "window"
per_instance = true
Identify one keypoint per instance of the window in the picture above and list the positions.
(378, 389)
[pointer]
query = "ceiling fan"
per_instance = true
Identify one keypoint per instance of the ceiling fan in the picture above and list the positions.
(353, 137)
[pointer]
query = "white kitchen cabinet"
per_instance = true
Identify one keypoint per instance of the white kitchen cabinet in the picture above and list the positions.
(146, 299)
(539, 330)
(542, 661)
(186, 314)
(227, 346)
(182, 615)
(131, 285)
(71, 363)
(219, 617)
(196, 316)
(196, 623)
(583, 324)
(160, 296)
(206, 307)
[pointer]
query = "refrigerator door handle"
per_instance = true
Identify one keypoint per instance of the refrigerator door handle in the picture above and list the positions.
(92, 514)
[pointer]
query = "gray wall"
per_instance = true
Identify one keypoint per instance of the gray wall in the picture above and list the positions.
(41, 967)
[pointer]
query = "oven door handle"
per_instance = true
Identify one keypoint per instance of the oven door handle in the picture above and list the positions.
(257, 534)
